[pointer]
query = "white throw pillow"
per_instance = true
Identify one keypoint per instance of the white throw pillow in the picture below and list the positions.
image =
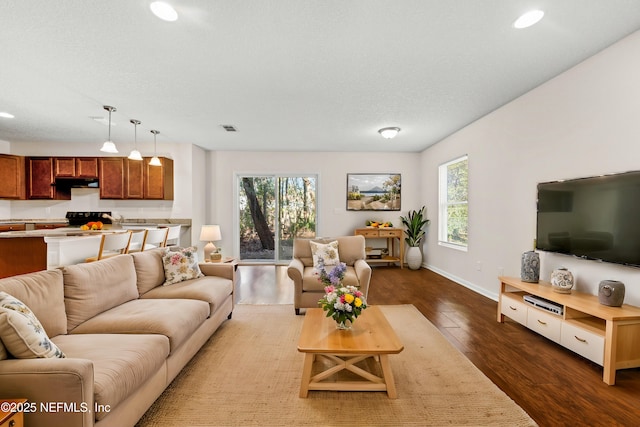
(327, 252)
(21, 331)
(181, 265)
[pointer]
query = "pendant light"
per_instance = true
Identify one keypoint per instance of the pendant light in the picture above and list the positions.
(109, 146)
(155, 161)
(135, 154)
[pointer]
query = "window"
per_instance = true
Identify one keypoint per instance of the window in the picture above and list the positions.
(453, 206)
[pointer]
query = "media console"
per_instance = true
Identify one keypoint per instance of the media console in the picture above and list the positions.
(605, 335)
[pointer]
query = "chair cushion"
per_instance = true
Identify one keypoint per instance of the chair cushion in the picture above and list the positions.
(176, 319)
(121, 363)
(21, 331)
(324, 253)
(311, 280)
(181, 265)
(90, 289)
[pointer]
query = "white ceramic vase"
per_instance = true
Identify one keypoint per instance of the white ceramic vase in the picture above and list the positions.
(414, 257)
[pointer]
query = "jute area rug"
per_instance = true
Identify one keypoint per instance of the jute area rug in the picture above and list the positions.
(248, 374)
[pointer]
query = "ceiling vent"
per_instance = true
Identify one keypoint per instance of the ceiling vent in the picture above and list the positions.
(229, 128)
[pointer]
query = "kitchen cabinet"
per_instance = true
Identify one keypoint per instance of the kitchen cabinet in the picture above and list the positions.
(111, 177)
(76, 167)
(12, 177)
(134, 179)
(40, 180)
(158, 180)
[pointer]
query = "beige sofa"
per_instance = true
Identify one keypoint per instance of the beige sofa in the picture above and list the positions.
(308, 289)
(125, 337)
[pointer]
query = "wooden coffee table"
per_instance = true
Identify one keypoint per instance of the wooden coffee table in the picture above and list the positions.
(370, 336)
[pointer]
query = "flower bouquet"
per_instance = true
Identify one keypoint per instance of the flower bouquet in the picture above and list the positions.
(342, 303)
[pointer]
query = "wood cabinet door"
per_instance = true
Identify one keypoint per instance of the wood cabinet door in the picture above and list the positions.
(40, 178)
(111, 176)
(64, 167)
(158, 180)
(12, 185)
(134, 179)
(86, 167)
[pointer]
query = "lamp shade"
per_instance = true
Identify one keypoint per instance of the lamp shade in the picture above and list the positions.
(210, 233)
(109, 147)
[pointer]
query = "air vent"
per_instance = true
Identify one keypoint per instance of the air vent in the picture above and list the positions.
(229, 128)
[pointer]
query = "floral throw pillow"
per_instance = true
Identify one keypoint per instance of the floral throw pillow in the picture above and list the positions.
(325, 253)
(22, 333)
(181, 265)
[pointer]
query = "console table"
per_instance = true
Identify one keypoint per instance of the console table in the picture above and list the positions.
(384, 233)
(605, 335)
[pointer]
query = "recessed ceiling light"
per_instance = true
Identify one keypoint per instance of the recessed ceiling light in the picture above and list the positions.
(164, 11)
(6, 115)
(528, 19)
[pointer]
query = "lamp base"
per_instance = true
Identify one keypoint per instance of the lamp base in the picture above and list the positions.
(209, 248)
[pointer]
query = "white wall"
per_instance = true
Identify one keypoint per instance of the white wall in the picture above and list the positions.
(331, 169)
(584, 122)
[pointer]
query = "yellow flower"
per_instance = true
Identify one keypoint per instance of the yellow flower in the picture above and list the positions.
(348, 298)
(358, 302)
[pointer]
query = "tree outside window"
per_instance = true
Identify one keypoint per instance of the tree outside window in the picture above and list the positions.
(453, 212)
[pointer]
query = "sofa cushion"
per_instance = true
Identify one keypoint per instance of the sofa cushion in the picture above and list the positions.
(311, 279)
(91, 288)
(324, 253)
(149, 269)
(181, 265)
(211, 289)
(352, 248)
(121, 363)
(43, 293)
(176, 319)
(21, 331)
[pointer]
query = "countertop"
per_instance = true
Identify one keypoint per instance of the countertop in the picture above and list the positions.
(58, 232)
(127, 221)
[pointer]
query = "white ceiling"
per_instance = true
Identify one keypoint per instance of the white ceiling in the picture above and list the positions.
(290, 75)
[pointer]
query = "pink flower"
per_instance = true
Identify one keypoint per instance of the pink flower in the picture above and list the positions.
(342, 299)
(358, 294)
(329, 289)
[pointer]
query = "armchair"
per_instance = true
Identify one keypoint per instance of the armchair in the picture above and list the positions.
(308, 289)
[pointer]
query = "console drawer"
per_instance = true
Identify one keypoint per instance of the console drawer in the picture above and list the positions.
(514, 308)
(586, 343)
(545, 324)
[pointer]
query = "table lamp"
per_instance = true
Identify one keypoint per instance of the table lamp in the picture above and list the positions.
(210, 233)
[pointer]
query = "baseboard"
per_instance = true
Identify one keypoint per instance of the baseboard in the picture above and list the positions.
(478, 289)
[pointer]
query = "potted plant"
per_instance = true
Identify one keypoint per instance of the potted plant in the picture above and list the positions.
(414, 222)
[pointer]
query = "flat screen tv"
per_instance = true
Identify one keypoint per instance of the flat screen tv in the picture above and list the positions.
(593, 218)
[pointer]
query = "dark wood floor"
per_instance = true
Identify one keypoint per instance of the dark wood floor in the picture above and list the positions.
(555, 386)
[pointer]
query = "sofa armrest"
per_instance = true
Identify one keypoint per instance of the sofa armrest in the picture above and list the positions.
(363, 271)
(225, 270)
(51, 383)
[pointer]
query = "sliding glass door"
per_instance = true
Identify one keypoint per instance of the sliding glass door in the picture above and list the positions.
(272, 211)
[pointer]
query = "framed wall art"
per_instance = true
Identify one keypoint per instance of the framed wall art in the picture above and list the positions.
(373, 192)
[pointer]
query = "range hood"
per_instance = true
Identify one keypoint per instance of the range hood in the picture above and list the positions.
(77, 182)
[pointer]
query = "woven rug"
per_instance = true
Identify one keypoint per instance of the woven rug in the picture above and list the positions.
(248, 374)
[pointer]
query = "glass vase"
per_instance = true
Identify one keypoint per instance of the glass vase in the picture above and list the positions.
(345, 325)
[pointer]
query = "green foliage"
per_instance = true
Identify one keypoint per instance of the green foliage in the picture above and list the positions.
(415, 222)
(354, 196)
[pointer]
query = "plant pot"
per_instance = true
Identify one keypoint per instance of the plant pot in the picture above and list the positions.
(414, 258)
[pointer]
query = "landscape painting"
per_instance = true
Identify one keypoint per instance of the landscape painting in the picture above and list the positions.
(373, 192)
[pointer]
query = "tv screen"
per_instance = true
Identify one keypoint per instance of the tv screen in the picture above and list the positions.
(593, 218)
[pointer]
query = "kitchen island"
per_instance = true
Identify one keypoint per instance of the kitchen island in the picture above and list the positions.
(28, 251)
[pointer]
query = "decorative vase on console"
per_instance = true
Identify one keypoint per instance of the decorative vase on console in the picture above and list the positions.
(562, 280)
(611, 293)
(530, 268)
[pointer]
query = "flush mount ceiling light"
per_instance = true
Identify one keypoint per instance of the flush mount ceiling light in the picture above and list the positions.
(109, 146)
(155, 161)
(135, 154)
(389, 133)
(5, 115)
(164, 11)
(528, 19)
